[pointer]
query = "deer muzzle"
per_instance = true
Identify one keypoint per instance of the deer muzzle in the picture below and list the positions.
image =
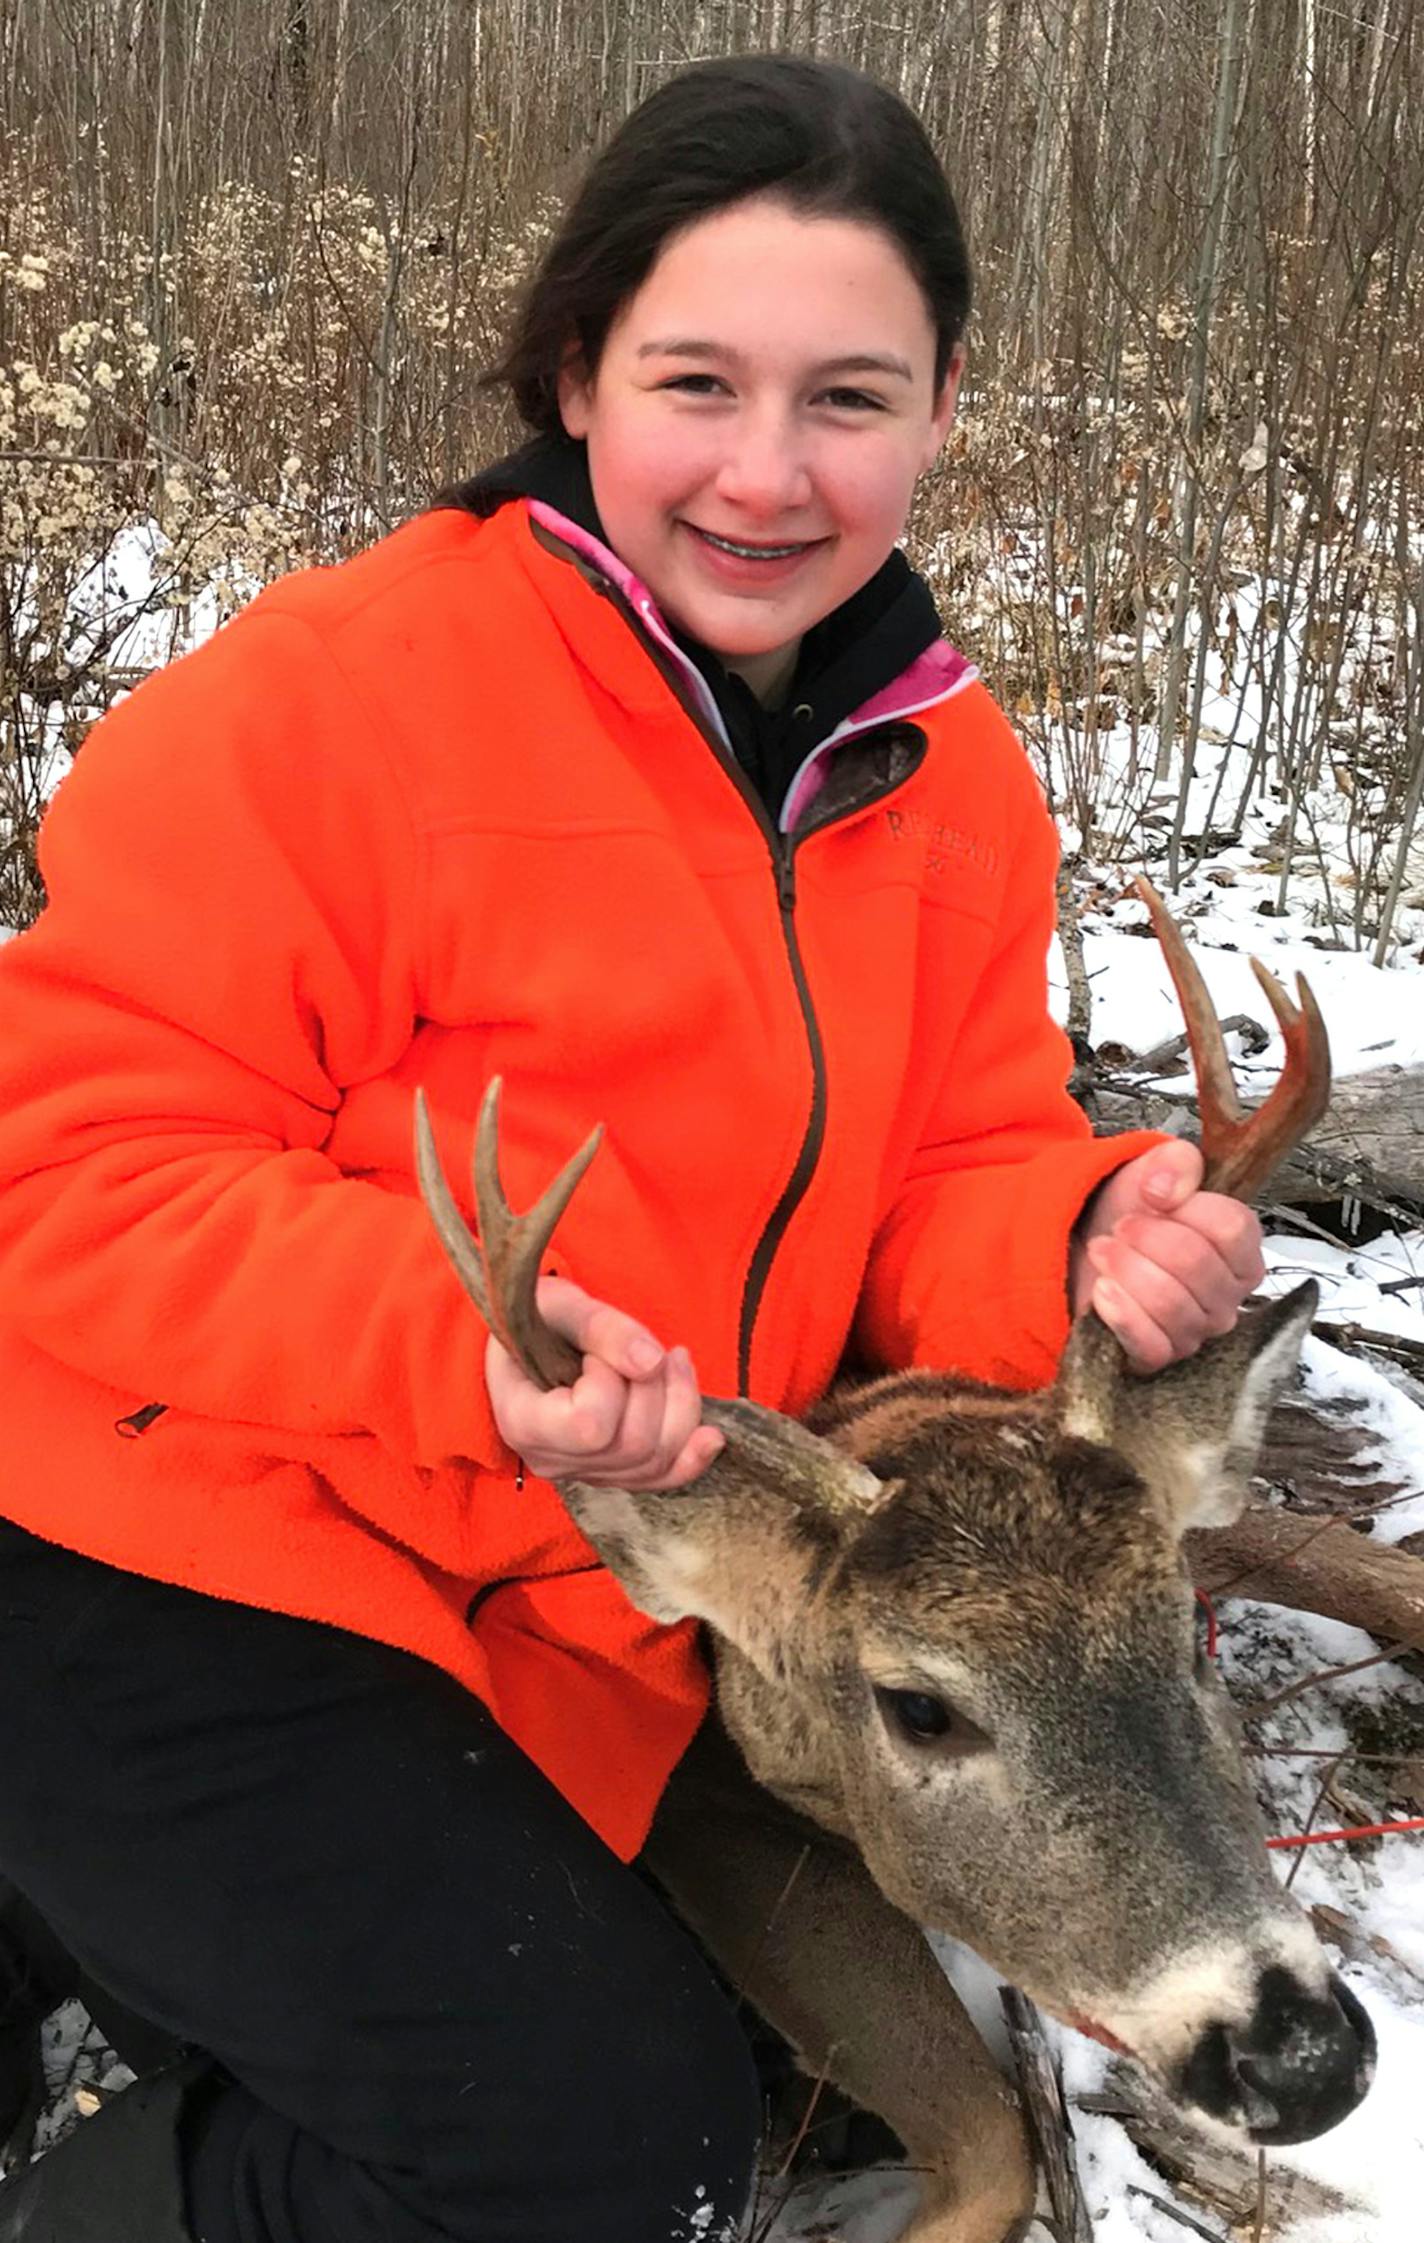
(1298, 2065)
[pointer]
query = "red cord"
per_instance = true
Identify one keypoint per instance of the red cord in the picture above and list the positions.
(1363, 1830)
(1313, 1837)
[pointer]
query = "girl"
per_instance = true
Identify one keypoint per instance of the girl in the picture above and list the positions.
(639, 773)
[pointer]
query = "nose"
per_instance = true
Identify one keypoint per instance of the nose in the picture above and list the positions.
(763, 471)
(1300, 2065)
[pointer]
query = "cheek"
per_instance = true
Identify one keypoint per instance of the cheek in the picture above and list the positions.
(647, 474)
(873, 491)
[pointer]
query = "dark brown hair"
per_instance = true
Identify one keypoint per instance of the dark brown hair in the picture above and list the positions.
(823, 138)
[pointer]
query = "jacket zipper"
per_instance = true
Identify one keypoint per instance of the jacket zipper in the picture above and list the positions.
(783, 859)
(783, 849)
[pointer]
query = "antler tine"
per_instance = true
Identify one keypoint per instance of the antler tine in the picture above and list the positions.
(514, 1245)
(1216, 1085)
(1241, 1150)
(457, 1240)
(1302, 1093)
(500, 1269)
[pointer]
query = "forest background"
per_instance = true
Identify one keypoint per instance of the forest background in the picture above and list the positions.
(254, 255)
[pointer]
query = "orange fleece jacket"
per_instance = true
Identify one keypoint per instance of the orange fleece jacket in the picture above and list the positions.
(428, 816)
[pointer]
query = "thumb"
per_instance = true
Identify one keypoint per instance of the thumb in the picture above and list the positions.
(597, 1328)
(1154, 1184)
(1166, 1178)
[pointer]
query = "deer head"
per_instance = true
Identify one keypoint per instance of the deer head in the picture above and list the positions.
(955, 1626)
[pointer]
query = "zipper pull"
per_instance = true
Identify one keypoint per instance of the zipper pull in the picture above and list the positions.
(129, 1428)
(786, 875)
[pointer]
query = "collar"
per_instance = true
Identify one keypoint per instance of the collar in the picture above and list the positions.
(877, 659)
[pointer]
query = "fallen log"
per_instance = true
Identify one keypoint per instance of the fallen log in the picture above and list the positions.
(1314, 1565)
(1323, 1456)
(1406, 1355)
(1369, 1146)
(1041, 2087)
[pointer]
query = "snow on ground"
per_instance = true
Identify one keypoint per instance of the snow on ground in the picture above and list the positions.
(1375, 2159)
(124, 616)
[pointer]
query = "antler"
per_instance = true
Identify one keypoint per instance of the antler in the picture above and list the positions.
(1243, 1150)
(500, 1269)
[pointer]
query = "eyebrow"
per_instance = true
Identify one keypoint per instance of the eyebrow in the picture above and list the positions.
(859, 362)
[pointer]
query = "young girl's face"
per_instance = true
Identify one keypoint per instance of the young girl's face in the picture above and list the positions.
(761, 410)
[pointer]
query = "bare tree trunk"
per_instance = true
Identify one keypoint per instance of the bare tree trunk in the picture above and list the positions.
(1415, 735)
(1310, 101)
(1234, 31)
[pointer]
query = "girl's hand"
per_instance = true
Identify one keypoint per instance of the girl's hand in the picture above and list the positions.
(632, 1419)
(1163, 1263)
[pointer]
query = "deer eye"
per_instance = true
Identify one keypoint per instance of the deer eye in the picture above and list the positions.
(915, 1715)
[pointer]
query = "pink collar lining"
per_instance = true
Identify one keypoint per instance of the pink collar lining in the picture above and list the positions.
(932, 677)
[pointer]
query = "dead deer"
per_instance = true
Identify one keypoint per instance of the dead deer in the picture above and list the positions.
(959, 1685)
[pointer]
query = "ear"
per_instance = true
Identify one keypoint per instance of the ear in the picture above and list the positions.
(745, 1548)
(942, 419)
(575, 392)
(1193, 1432)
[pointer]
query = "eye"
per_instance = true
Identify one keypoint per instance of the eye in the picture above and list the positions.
(918, 1717)
(693, 385)
(853, 401)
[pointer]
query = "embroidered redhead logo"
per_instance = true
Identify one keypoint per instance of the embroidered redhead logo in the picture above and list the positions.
(946, 846)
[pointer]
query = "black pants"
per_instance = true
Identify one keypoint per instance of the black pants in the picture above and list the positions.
(449, 2014)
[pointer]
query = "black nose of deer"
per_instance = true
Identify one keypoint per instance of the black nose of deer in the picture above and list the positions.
(1298, 2067)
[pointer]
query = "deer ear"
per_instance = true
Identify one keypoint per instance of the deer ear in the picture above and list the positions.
(748, 1544)
(1194, 1431)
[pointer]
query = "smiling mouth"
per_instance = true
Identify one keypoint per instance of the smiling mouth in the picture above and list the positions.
(743, 552)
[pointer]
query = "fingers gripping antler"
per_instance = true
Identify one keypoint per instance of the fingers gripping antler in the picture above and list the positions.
(1242, 1151)
(499, 1269)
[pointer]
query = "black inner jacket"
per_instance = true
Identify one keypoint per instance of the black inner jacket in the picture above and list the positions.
(851, 654)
